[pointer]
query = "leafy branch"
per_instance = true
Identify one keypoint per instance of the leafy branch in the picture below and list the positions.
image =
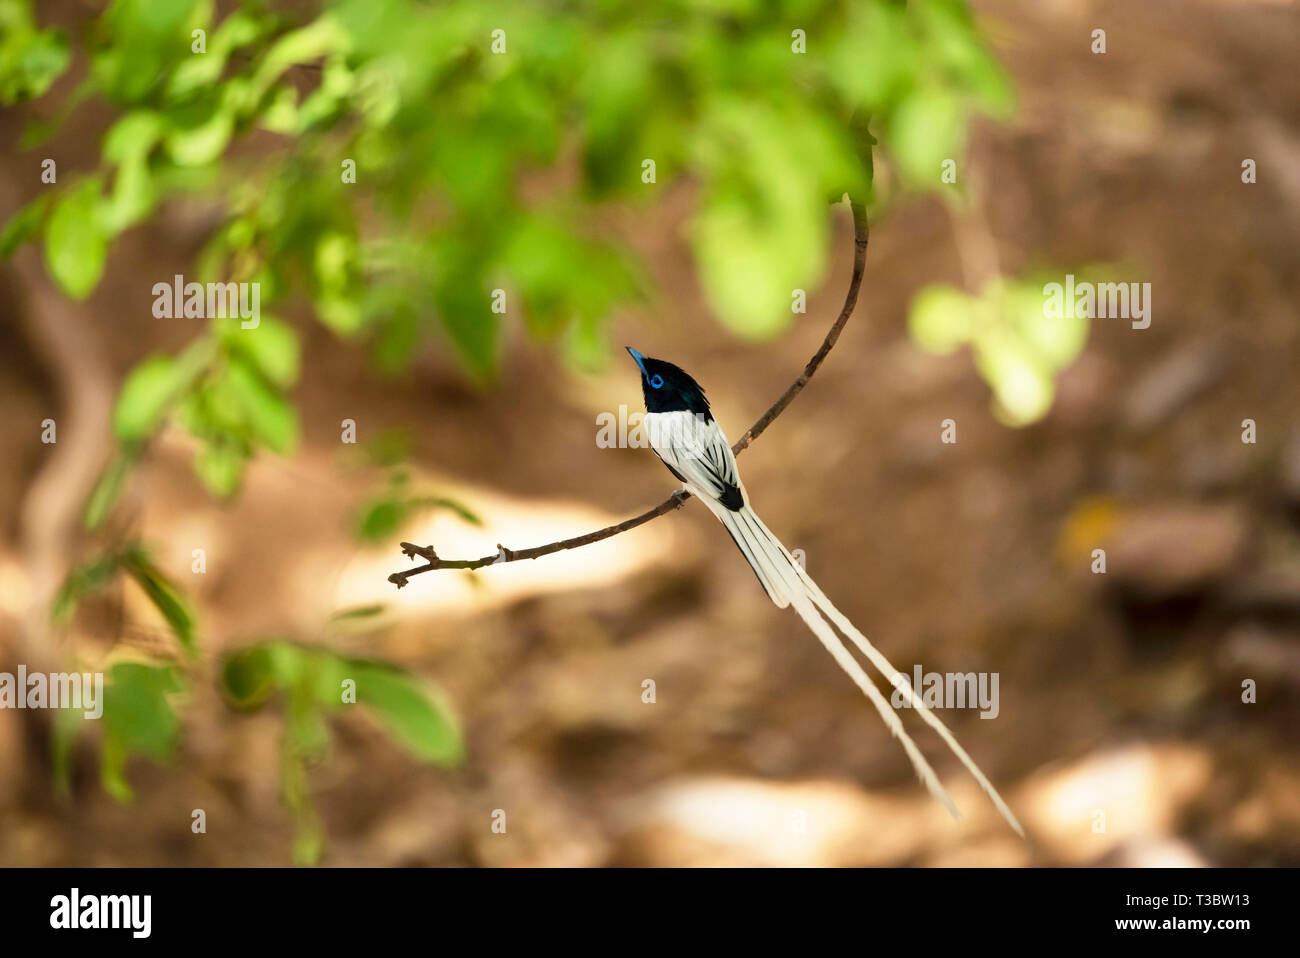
(678, 498)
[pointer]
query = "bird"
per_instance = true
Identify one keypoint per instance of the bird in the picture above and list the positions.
(681, 430)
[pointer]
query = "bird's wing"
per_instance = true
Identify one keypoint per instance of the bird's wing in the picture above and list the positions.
(698, 453)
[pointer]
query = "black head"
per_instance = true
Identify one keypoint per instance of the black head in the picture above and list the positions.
(669, 388)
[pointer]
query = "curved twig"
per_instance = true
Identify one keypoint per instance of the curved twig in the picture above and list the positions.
(678, 498)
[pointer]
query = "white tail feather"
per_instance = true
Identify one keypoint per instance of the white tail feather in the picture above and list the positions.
(900, 681)
(786, 583)
(835, 646)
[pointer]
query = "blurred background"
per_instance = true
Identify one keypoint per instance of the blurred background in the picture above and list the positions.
(502, 717)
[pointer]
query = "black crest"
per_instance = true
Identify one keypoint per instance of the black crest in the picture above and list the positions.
(669, 388)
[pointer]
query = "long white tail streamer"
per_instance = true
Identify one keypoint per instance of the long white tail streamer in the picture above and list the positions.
(786, 583)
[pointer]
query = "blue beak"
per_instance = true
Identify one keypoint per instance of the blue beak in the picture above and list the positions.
(640, 360)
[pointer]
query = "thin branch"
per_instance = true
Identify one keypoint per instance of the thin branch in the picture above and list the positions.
(678, 498)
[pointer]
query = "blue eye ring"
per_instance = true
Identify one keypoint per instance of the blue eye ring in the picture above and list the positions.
(656, 381)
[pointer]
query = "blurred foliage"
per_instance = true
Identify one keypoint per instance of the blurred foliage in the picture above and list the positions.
(138, 719)
(137, 714)
(315, 683)
(394, 162)
(381, 516)
(319, 680)
(446, 111)
(31, 59)
(1018, 349)
(95, 576)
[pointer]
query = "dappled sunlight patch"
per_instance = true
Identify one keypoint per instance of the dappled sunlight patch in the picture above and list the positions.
(738, 822)
(1094, 806)
(15, 587)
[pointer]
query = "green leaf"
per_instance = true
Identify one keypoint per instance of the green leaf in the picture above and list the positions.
(153, 386)
(112, 768)
(142, 39)
(137, 719)
(940, 319)
(410, 710)
(308, 842)
(1021, 383)
(323, 677)
(197, 145)
(132, 198)
(952, 39)
(318, 38)
(82, 581)
(67, 726)
(165, 596)
(133, 136)
(397, 339)
(107, 490)
(220, 467)
(1058, 340)
(381, 518)
(289, 663)
(75, 243)
(1018, 349)
(127, 144)
(271, 346)
(341, 313)
(440, 502)
(563, 279)
(472, 328)
(201, 71)
(750, 263)
(280, 115)
(269, 416)
(586, 345)
(23, 225)
(761, 228)
(389, 447)
(149, 389)
(30, 59)
(928, 128)
(359, 612)
(248, 677)
(334, 272)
